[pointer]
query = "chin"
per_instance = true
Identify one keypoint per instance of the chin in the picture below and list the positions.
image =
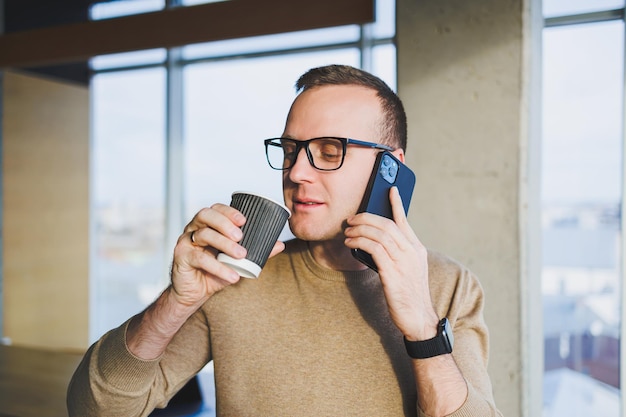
(311, 233)
(307, 235)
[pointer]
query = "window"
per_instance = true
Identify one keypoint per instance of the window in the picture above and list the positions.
(552, 8)
(163, 150)
(128, 183)
(107, 10)
(582, 174)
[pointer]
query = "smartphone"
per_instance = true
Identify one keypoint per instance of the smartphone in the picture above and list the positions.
(388, 172)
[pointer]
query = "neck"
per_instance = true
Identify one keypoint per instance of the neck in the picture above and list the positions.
(333, 254)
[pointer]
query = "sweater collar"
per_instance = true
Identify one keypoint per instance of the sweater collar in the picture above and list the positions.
(330, 274)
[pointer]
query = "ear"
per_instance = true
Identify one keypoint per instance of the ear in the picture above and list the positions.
(399, 153)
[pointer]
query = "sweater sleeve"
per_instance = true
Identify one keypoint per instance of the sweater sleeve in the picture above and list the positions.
(111, 381)
(458, 295)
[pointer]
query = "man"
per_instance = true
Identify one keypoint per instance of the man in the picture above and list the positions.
(318, 333)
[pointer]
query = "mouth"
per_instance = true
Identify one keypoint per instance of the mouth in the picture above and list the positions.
(306, 203)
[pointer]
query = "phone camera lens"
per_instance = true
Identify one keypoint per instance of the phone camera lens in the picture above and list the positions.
(393, 170)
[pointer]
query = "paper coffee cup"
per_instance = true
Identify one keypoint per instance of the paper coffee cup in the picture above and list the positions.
(265, 220)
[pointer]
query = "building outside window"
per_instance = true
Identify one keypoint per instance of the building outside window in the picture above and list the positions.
(582, 176)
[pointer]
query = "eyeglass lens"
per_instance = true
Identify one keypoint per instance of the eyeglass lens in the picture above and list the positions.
(323, 153)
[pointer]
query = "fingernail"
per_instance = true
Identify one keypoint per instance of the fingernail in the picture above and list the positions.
(236, 234)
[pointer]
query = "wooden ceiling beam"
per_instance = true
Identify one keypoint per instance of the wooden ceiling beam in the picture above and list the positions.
(177, 27)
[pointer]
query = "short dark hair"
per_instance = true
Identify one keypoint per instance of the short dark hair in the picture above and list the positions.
(393, 128)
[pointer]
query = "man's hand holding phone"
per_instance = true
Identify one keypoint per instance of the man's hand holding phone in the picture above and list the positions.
(402, 265)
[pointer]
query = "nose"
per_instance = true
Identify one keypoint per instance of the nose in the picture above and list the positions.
(301, 170)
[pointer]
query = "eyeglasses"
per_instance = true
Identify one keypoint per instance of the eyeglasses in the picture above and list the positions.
(325, 154)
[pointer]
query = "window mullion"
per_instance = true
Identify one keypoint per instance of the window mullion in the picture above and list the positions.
(366, 46)
(622, 326)
(174, 193)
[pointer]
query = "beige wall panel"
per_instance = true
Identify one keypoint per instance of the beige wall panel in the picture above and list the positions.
(45, 213)
(460, 76)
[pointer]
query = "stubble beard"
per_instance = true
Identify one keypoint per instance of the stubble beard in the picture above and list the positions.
(315, 232)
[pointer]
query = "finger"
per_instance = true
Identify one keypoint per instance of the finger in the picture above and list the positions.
(373, 241)
(214, 219)
(400, 218)
(220, 217)
(214, 269)
(202, 261)
(213, 241)
(230, 212)
(368, 224)
(397, 207)
(373, 234)
(278, 248)
(381, 237)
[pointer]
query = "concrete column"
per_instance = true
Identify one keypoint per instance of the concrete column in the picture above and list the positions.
(463, 76)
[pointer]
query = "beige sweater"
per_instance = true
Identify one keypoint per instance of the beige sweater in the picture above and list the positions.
(301, 340)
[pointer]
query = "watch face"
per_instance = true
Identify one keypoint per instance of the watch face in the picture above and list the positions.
(447, 334)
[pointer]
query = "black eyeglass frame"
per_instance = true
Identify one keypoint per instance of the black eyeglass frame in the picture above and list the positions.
(305, 144)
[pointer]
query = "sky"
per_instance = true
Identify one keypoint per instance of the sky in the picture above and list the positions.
(582, 113)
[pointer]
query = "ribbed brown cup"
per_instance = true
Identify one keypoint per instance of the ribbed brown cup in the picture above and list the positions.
(265, 220)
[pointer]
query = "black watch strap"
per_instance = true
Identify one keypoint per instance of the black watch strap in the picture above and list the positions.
(438, 345)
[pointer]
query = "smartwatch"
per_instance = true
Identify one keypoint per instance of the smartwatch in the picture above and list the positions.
(438, 345)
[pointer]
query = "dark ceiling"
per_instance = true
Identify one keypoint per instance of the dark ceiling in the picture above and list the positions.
(21, 15)
(32, 14)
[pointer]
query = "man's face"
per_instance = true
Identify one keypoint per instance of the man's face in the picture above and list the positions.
(320, 201)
